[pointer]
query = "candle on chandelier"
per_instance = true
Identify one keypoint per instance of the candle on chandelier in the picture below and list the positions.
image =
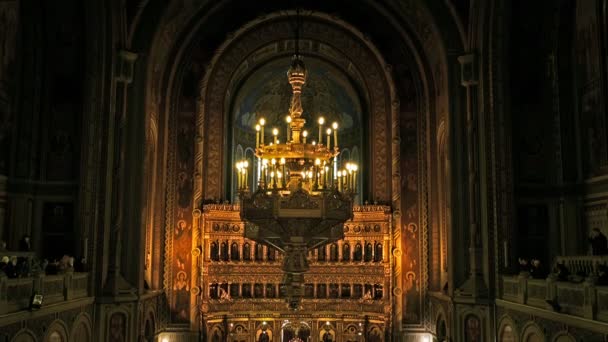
(321, 122)
(262, 123)
(335, 127)
(288, 119)
(354, 167)
(339, 180)
(257, 135)
(245, 166)
(304, 135)
(275, 133)
(317, 164)
(282, 162)
(328, 137)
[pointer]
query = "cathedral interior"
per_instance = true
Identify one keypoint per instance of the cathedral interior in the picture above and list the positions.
(157, 184)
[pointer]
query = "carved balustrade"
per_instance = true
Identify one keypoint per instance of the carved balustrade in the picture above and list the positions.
(583, 264)
(16, 293)
(583, 299)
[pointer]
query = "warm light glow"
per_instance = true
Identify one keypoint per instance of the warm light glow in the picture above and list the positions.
(425, 339)
(321, 120)
(165, 339)
(288, 119)
(258, 127)
(262, 122)
(275, 131)
(282, 161)
(305, 134)
(328, 131)
(334, 125)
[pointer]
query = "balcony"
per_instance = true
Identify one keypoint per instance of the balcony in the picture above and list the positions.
(581, 296)
(54, 289)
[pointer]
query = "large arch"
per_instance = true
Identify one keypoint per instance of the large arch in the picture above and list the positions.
(420, 52)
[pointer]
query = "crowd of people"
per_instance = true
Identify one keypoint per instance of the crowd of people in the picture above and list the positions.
(25, 265)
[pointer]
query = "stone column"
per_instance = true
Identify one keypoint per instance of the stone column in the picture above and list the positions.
(475, 285)
(116, 202)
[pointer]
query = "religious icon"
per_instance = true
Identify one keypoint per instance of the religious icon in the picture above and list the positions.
(472, 329)
(117, 328)
(181, 289)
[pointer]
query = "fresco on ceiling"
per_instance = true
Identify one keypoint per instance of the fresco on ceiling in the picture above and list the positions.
(267, 93)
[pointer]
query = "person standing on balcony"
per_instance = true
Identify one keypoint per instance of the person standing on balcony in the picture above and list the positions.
(599, 243)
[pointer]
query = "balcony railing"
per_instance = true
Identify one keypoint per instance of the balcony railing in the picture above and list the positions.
(584, 298)
(53, 288)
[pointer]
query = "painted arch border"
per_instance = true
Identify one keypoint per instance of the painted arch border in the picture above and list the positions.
(213, 112)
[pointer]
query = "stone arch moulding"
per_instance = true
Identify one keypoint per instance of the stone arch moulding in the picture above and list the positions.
(83, 319)
(24, 335)
(530, 330)
(57, 326)
(440, 315)
(505, 321)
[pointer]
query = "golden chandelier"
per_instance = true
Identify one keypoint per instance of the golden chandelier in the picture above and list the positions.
(302, 198)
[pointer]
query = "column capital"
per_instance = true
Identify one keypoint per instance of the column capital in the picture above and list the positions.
(468, 70)
(126, 60)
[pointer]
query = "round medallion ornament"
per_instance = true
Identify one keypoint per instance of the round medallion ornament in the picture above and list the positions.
(377, 228)
(196, 213)
(196, 290)
(216, 227)
(368, 229)
(397, 252)
(235, 228)
(346, 228)
(357, 229)
(226, 227)
(397, 292)
(196, 252)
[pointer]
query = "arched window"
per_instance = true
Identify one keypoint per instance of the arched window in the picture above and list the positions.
(224, 251)
(333, 252)
(377, 291)
(334, 291)
(270, 291)
(234, 290)
(246, 290)
(215, 252)
(358, 255)
(259, 252)
(357, 291)
(368, 252)
(321, 254)
(309, 290)
(346, 252)
(345, 293)
(234, 252)
(246, 252)
(378, 253)
(213, 289)
(258, 290)
(321, 291)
